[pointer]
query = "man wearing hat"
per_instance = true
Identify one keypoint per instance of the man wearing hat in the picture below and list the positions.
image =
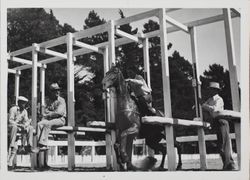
(213, 104)
(19, 121)
(54, 116)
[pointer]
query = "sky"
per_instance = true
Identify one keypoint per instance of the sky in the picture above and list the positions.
(211, 43)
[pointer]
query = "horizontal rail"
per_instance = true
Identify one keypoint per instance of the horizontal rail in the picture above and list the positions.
(87, 46)
(91, 31)
(12, 71)
(177, 24)
(173, 121)
(84, 129)
(21, 51)
(53, 42)
(136, 17)
(52, 53)
(127, 35)
(63, 132)
(24, 61)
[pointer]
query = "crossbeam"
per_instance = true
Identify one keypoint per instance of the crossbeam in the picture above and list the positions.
(59, 132)
(127, 35)
(177, 24)
(87, 46)
(173, 121)
(90, 32)
(12, 71)
(23, 61)
(136, 17)
(21, 51)
(83, 129)
(52, 53)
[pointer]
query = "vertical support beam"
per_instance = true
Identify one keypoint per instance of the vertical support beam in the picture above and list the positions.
(34, 100)
(17, 83)
(233, 77)
(111, 54)
(166, 90)
(42, 88)
(92, 153)
(147, 74)
(42, 155)
(107, 114)
(197, 90)
(71, 104)
(146, 61)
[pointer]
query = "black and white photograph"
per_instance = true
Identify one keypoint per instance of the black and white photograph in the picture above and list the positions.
(121, 89)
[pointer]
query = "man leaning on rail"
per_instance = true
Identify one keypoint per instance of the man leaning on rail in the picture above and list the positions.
(212, 105)
(54, 116)
(19, 122)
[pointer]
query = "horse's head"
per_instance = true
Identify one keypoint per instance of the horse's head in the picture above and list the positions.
(112, 78)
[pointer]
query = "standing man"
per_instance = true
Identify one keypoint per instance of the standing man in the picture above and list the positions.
(213, 104)
(19, 121)
(54, 116)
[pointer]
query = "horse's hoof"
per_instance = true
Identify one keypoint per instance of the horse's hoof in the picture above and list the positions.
(159, 169)
(179, 167)
(131, 168)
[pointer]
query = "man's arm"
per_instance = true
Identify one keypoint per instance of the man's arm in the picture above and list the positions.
(12, 116)
(58, 112)
(219, 104)
(138, 81)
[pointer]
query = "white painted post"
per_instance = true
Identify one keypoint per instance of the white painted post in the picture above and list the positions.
(42, 155)
(107, 115)
(34, 100)
(92, 153)
(166, 90)
(17, 83)
(233, 77)
(111, 54)
(42, 87)
(71, 104)
(197, 90)
(147, 74)
(146, 61)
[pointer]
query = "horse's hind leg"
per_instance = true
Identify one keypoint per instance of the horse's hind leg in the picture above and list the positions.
(178, 146)
(156, 146)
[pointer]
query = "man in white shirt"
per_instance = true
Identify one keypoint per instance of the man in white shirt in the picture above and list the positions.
(19, 121)
(212, 105)
(141, 91)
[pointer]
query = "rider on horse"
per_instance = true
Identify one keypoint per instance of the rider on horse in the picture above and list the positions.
(141, 91)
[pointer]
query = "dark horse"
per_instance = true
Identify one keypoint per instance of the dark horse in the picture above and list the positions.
(128, 123)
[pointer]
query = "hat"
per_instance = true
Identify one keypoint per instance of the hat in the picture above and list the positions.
(22, 98)
(54, 86)
(214, 85)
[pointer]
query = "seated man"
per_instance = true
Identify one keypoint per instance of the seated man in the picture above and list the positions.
(213, 104)
(54, 116)
(19, 121)
(141, 91)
